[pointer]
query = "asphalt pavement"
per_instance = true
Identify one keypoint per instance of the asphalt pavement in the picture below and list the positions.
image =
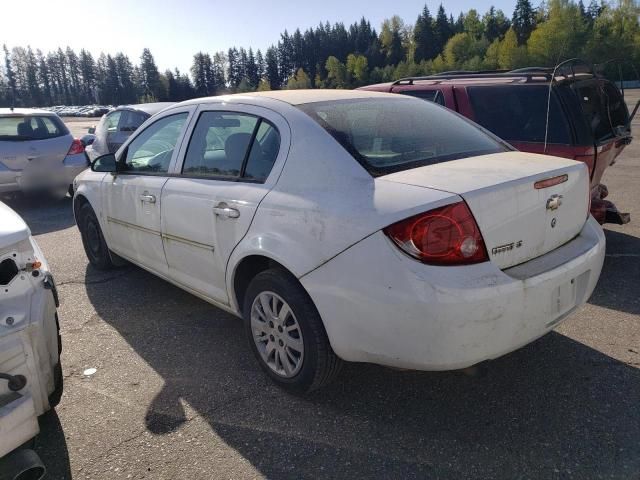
(177, 394)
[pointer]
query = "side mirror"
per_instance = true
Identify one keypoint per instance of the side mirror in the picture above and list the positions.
(91, 130)
(105, 163)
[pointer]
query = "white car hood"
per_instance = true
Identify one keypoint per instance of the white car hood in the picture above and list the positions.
(12, 227)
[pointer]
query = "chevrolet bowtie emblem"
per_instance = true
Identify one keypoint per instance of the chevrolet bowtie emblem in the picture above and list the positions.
(554, 202)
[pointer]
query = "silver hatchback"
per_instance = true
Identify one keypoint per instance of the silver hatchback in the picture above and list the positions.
(37, 152)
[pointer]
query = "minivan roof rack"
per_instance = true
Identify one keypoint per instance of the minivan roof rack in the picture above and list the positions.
(568, 69)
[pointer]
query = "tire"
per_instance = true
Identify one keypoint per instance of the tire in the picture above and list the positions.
(93, 240)
(58, 380)
(317, 364)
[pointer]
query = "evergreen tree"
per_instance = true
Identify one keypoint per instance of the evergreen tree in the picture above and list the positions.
(150, 75)
(88, 73)
(523, 20)
(391, 40)
(272, 73)
(233, 71)
(252, 70)
(424, 37)
(43, 78)
(442, 29)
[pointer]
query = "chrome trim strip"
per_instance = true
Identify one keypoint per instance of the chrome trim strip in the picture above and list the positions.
(164, 236)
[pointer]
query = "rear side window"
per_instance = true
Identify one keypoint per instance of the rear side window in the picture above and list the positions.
(518, 113)
(392, 134)
(31, 127)
(429, 95)
(603, 107)
(231, 145)
(130, 120)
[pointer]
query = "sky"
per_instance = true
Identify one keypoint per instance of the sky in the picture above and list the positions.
(176, 29)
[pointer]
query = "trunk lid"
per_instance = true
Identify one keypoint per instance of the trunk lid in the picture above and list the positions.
(28, 155)
(518, 221)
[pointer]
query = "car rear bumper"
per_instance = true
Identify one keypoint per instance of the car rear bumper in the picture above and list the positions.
(29, 346)
(380, 306)
(58, 177)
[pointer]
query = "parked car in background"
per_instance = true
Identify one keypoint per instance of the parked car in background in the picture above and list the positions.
(117, 125)
(339, 233)
(588, 118)
(37, 152)
(31, 379)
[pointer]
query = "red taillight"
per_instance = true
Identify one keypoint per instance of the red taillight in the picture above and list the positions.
(76, 147)
(447, 235)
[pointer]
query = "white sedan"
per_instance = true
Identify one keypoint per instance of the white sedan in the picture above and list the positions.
(346, 225)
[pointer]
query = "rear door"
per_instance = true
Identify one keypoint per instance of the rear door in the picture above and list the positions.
(207, 207)
(607, 116)
(132, 198)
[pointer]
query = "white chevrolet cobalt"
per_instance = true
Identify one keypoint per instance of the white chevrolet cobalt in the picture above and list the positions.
(346, 225)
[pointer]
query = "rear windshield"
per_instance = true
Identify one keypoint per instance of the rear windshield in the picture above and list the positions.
(518, 113)
(31, 127)
(389, 135)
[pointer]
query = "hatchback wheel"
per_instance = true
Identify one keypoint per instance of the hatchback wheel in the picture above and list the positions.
(93, 241)
(286, 333)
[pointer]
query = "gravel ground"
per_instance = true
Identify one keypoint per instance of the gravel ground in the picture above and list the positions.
(177, 393)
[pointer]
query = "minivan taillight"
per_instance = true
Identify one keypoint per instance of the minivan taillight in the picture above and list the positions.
(76, 147)
(446, 235)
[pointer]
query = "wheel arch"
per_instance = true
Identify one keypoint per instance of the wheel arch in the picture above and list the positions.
(245, 270)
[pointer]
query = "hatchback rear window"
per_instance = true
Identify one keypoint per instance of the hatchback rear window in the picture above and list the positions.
(31, 127)
(388, 135)
(518, 113)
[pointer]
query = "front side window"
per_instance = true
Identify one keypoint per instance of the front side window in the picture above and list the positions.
(394, 134)
(230, 145)
(151, 151)
(518, 113)
(32, 127)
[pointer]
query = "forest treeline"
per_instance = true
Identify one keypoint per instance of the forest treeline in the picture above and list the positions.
(336, 56)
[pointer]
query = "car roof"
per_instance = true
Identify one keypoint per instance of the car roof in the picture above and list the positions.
(25, 111)
(148, 108)
(295, 97)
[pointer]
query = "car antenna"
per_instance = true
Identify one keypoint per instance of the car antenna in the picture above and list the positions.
(553, 77)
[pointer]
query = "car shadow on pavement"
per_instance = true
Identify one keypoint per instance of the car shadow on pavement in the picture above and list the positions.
(43, 215)
(554, 409)
(51, 445)
(619, 284)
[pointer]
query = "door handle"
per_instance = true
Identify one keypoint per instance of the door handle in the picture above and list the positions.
(224, 210)
(147, 198)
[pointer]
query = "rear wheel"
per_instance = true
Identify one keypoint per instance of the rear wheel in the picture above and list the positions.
(286, 333)
(93, 241)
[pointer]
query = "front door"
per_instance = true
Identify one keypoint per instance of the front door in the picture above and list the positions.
(208, 206)
(132, 197)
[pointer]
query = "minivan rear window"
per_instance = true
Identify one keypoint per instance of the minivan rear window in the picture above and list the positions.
(518, 113)
(31, 127)
(388, 135)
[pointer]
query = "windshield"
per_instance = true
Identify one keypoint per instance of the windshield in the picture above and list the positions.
(31, 127)
(388, 135)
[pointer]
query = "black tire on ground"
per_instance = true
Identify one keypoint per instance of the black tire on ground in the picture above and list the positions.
(320, 364)
(58, 380)
(93, 240)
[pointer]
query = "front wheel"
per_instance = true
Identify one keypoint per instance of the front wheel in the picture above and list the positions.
(286, 333)
(93, 241)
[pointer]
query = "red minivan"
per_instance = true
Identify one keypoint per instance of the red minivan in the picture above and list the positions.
(588, 119)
